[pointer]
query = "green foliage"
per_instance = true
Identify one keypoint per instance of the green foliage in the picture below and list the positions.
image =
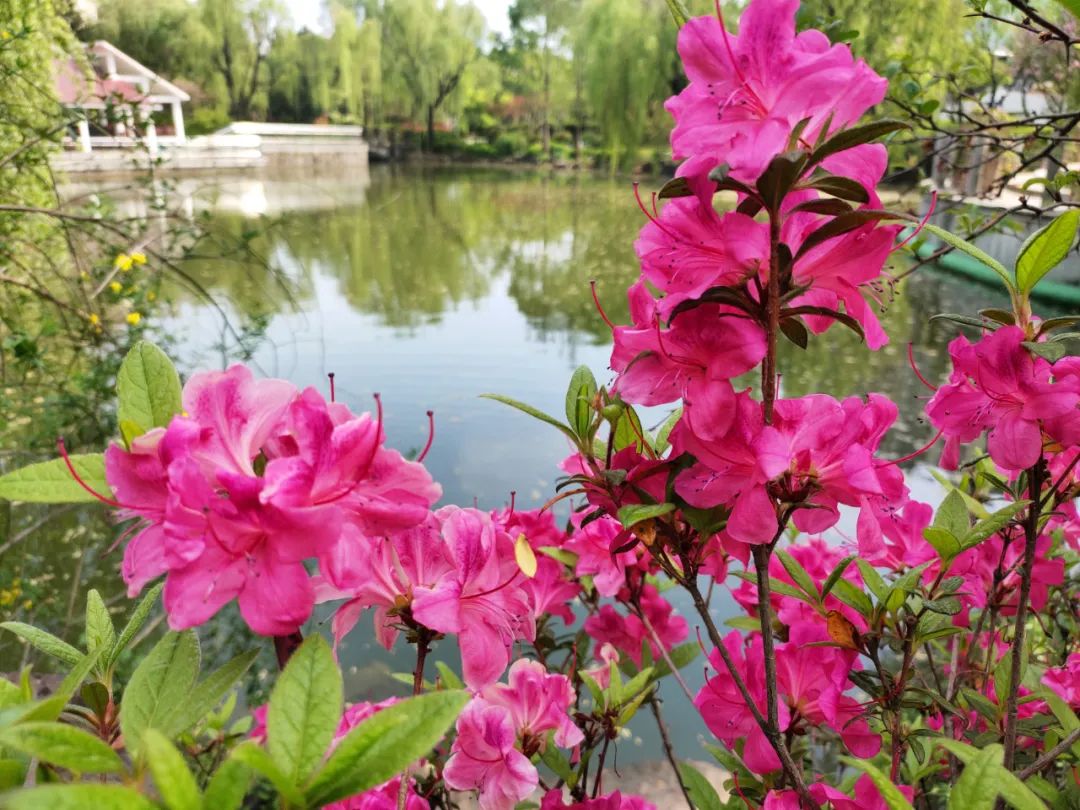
(52, 482)
(1045, 249)
(147, 390)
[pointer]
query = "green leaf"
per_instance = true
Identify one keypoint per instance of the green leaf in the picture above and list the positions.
(798, 574)
(255, 757)
(100, 633)
(449, 678)
(62, 745)
(160, 684)
(531, 411)
(135, 622)
(1046, 249)
(1072, 6)
(681, 656)
(305, 709)
(675, 187)
(46, 642)
(662, 443)
(628, 430)
(147, 388)
(174, 781)
(386, 744)
(1050, 351)
(679, 12)
(990, 526)
(872, 579)
(702, 793)
(944, 543)
(946, 605)
(633, 514)
(795, 331)
(834, 576)
(855, 136)
(207, 694)
(894, 799)
(52, 482)
(845, 223)
(73, 680)
(77, 797)
(579, 400)
(843, 187)
(228, 786)
(978, 786)
(952, 515)
(559, 764)
(853, 597)
(972, 251)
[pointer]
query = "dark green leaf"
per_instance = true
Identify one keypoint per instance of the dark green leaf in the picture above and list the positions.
(794, 330)
(856, 136)
(845, 223)
(798, 574)
(1050, 351)
(579, 398)
(702, 793)
(842, 187)
(835, 575)
(631, 515)
(675, 187)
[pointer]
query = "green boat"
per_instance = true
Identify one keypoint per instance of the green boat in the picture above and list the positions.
(1054, 292)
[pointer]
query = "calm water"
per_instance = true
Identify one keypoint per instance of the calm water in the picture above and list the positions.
(431, 288)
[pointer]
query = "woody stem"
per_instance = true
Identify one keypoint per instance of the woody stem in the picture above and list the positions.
(423, 641)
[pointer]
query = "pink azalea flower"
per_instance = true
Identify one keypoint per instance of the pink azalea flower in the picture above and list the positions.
(482, 601)
(749, 90)
(866, 797)
(977, 566)
(550, 592)
(692, 359)
(817, 454)
(538, 703)
(537, 525)
(1065, 681)
(483, 758)
(601, 673)
(628, 633)
(594, 544)
(553, 800)
(998, 386)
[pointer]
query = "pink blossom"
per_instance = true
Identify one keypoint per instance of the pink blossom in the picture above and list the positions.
(866, 797)
(629, 633)
(550, 592)
(1065, 681)
(538, 702)
(998, 387)
(482, 601)
(483, 758)
(749, 90)
(692, 359)
(594, 544)
(553, 800)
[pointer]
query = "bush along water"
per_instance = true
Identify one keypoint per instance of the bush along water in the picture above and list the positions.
(929, 660)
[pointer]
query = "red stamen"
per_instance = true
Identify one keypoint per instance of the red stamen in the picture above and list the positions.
(922, 222)
(911, 362)
(331, 376)
(495, 589)
(915, 454)
(741, 795)
(430, 438)
(78, 479)
(660, 342)
(600, 309)
(513, 499)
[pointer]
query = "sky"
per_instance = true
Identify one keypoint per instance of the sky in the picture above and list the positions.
(309, 14)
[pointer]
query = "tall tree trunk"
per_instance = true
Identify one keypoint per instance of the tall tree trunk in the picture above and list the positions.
(431, 127)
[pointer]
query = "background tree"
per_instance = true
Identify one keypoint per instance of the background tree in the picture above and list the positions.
(242, 32)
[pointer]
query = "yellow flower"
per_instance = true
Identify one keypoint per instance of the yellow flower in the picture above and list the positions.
(123, 262)
(151, 296)
(116, 286)
(94, 319)
(138, 258)
(29, 603)
(133, 318)
(5, 35)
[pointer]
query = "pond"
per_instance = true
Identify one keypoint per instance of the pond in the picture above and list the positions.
(431, 287)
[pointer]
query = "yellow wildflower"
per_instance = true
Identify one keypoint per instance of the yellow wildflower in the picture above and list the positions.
(151, 296)
(116, 286)
(138, 258)
(133, 318)
(94, 319)
(123, 262)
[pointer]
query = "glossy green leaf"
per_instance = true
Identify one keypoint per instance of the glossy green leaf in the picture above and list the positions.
(976, 253)
(46, 642)
(207, 694)
(52, 482)
(63, 745)
(531, 411)
(160, 684)
(147, 388)
(305, 709)
(1046, 249)
(252, 755)
(77, 797)
(944, 543)
(173, 780)
(385, 744)
(100, 633)
(835, 574)
(227, 787)
(952, 515)
(135, 622)
(855, 136)
(702, 793)
(632, 514)
(579, 400)
(990, 526)
(798, 574)
(853, 597)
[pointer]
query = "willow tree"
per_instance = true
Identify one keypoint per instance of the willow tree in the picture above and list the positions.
(427, 48)
(626, 50)
(242, 32)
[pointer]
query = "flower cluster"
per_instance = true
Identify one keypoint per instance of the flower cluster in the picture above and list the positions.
(254, 478)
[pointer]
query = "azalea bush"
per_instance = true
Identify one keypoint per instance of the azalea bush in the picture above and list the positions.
(920, 658)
